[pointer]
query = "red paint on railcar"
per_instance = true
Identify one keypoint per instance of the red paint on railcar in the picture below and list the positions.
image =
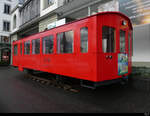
(108, 55)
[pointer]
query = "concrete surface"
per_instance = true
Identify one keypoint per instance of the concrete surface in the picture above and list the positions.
(21, 95)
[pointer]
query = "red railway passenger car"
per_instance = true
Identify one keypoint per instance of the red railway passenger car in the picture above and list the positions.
(96, 49)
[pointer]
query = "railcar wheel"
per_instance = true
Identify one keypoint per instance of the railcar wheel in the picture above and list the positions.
(59, 80)
(29, 71)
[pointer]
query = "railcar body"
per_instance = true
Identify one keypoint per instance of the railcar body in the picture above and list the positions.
(95, 49)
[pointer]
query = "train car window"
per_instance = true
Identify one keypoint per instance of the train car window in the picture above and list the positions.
(27, 47)
(65, 42)
(122, 41)
(48, 44)
(21, 48)
(108, 39)
(129, 43)
(15, 50)
(36, 46)
(84, 39)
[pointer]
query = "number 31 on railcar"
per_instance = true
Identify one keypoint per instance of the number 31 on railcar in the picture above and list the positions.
(97, 49)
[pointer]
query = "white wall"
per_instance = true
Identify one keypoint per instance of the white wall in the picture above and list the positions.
(141, 43)
(6, 17)
(57, 3)
(16, 12)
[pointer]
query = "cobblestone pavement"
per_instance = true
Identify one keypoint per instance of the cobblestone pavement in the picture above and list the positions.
(21, 95)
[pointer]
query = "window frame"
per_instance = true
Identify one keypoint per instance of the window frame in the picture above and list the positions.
(14, 21)
(25, 47)
(6, 26)
(87, 50)
(50, 2)
(21, 48)
(6, 10)
(35, 46)
(58, 51)
(132, 48)
(114, 42)
(47, 4)
(48, 37)
(125, 50)
(14, 50)
(129, 43)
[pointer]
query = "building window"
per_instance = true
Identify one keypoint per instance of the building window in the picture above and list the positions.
(84, 40)
(14, 22)
(27, 47)
(65, 42)
(108, 39)
(36, 46)
(21, 48)
(5, 39)
(67, 1)
(6, 26)
(122, 41)
(50, 2)
(15, 50)
(47, 3)
(48, 45)
(7, 9)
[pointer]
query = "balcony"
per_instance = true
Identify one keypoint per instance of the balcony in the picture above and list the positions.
(29, 11)
(48, 6)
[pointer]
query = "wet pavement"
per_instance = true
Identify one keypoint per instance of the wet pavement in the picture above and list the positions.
(21, 95)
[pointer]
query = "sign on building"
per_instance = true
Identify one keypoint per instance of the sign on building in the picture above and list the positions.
(56, 23)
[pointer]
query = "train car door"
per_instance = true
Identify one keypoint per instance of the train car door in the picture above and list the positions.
(123, 55)
(20, 53)
(130, 52)
(109, 55)
(15, 55)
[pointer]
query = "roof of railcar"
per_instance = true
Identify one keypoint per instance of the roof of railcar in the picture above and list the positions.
(101, 13)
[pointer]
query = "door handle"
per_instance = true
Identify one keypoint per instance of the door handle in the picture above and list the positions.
(109, 57)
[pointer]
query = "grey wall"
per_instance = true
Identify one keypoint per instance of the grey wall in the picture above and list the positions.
(30, 11)
(141, 44)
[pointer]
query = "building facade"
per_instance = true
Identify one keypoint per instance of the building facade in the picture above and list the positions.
(71, 10)
(35, 16)
(5, 28)
(39, 15)
(24, 19)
